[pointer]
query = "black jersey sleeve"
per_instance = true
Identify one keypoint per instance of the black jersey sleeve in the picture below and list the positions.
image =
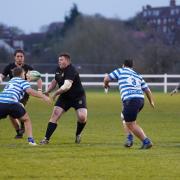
(6, 70)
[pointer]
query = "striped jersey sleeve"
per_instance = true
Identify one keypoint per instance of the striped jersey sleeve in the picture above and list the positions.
(131, 84)
(14, 90)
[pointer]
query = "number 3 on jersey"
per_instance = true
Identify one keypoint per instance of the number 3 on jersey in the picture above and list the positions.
(132, 81)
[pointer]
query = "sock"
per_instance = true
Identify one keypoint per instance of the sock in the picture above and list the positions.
(50, 129)
(18, 132)
(130, 137)
(22, 125)
(80, 127)
(146, 141)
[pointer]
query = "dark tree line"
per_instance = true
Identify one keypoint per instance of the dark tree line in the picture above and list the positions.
(98, 44)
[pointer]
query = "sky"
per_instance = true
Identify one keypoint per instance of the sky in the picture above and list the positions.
(31, 15)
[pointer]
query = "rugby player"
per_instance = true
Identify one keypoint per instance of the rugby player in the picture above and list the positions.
(19, 57)
(10, 100)
(70, 94)
(132, 88)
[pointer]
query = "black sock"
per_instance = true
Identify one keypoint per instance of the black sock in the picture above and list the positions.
(50, 129)
(80, 127)
(22, 125)
(17, 131)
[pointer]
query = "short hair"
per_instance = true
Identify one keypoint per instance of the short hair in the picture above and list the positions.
(18, 51)
(66, 55)
(17, 71)
(128, 63)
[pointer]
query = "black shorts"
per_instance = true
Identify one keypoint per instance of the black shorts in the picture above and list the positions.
(25, 98)
(14, 110)
(131, 108)
(76, 103)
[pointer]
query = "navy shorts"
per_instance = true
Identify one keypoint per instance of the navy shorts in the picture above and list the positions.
(131, 108)
(76, 103)
(14, 110)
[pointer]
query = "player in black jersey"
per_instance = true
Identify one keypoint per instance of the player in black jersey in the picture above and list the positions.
(19, 56)
(70, 94)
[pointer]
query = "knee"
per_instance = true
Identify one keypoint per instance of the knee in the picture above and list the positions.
(82, 118)
(130, 125)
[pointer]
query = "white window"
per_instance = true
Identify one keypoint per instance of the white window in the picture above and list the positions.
(173, 11)
(164, 29)
(164, 20)
(156, 13)
(159, 21)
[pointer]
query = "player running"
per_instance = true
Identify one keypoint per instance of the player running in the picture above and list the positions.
(131, 86)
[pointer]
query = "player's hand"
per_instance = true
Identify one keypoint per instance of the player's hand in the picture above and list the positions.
(27, 76)
(47, 99)
(1, 80)
(152, 104)
(174, 91)
(54, 96)
(46, 93)
(106, 88)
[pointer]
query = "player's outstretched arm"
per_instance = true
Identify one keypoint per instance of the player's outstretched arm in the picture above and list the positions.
(35, 93)
(149, 96)
(51, 86)
(64, 88)
(175, 90)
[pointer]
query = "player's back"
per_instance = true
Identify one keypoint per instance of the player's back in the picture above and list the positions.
(14, 90)
(130, 83)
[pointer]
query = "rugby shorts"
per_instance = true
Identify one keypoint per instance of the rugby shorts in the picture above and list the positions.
(131, 108)
(75, 103)
(15, 110)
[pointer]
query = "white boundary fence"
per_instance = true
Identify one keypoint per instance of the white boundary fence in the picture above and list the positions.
(99, 83)
(163, 83)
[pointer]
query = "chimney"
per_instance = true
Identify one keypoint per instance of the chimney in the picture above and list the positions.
(172, 3)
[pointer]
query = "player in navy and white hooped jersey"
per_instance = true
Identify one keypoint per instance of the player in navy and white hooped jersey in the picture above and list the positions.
(10, 100)
(19, 61)
(14, 90)
(132, 88)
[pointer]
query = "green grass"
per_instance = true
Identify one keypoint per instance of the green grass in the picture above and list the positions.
(101, 154)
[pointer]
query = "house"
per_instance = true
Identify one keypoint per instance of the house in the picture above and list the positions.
(163, 19)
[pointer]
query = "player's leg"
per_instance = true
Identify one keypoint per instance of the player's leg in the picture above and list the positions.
(16, 125)
(16, 111)
(130, 112)
(81, 122)
(23, 103)
(28, 128)
(129, 135)
(52, 124)
(79, 104)
(138, 132)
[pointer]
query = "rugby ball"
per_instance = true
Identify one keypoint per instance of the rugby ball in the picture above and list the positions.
(33, 75)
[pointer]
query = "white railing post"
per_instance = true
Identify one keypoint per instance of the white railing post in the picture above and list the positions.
(46, 81)
(165, 83)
